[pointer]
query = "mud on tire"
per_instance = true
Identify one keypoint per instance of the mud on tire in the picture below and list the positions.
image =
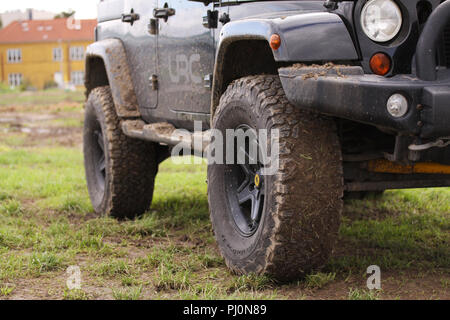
(303, 201)
(120, 171)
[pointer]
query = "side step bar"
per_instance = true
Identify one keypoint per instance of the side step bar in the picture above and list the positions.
(165, 133)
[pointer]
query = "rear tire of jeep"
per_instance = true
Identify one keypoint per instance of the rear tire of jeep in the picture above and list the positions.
(120, 171)
(300, 217)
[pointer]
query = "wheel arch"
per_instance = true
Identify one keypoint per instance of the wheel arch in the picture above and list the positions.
(240, 57)
(305, 37)
(96, 75)
(107, 64)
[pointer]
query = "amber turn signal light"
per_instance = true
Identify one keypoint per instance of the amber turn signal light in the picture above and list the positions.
(275, 41)
(380, 63)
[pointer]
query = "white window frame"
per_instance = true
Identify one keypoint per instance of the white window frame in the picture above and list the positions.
(14, 55)
(15, 79)
(77, 78)
(57, 54)
(76, 53)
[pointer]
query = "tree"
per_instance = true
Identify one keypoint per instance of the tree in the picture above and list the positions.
(65, 14)
(1, 23)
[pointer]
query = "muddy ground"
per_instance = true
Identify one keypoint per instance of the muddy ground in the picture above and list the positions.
(130, 258)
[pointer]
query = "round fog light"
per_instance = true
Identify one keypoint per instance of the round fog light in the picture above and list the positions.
(397, 105)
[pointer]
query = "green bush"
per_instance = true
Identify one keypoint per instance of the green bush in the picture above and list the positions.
(26, 85)
(50, 85)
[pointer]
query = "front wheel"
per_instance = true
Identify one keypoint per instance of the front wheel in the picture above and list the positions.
(283, 224)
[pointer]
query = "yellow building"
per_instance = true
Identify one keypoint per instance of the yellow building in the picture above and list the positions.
(42, 53)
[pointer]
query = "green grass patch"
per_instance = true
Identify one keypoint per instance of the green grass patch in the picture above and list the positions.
(127, 294)
(11, 207)
(45, 262)
(44, 97)
(359, 294)
(6, 291)
(75, 294)
(319, 280)
(250, 282)
(112, 268)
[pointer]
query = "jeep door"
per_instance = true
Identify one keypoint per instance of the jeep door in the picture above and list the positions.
(127, 20)
(185, 60)
(141, 52)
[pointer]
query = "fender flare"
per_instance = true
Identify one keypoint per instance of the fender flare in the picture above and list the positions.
(112, 53)
(305, 37)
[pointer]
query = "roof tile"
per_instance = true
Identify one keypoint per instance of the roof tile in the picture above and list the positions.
(48, 31)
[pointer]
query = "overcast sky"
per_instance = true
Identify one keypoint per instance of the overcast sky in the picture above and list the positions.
(85, 9)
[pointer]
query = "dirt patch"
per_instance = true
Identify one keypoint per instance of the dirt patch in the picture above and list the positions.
(47, 109)
(315, 71)
(67, 137)
(42, 129)
(162, 128)
(320, 70)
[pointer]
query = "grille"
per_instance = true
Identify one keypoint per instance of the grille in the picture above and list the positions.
(447, 46)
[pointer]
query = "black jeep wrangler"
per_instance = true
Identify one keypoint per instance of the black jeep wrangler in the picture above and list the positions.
(359, 92)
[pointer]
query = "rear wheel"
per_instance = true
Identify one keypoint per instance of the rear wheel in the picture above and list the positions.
(120, 171)
(283, 224)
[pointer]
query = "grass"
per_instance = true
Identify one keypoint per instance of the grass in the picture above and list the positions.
(358, 294)
(409, 237)
(127, 294)
(45, 262)
(6, 291)
(47, 225)
(112, 268)
(5, 88)
(39, 98)
(319, 280)
(250, 282)
(75, 294)
(445, 282)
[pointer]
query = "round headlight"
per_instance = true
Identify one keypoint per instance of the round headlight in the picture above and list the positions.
(381, 20)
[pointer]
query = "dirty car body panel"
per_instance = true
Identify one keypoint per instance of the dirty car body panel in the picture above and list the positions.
(184, 56)
(171, 61)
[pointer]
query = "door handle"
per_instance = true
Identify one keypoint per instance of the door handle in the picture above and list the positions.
(163, 13)
(130, 17)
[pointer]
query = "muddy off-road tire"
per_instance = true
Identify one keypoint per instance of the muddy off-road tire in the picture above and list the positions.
(120, 171)
(302, 203)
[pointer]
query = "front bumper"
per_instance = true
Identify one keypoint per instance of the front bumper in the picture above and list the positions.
(346, 92)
